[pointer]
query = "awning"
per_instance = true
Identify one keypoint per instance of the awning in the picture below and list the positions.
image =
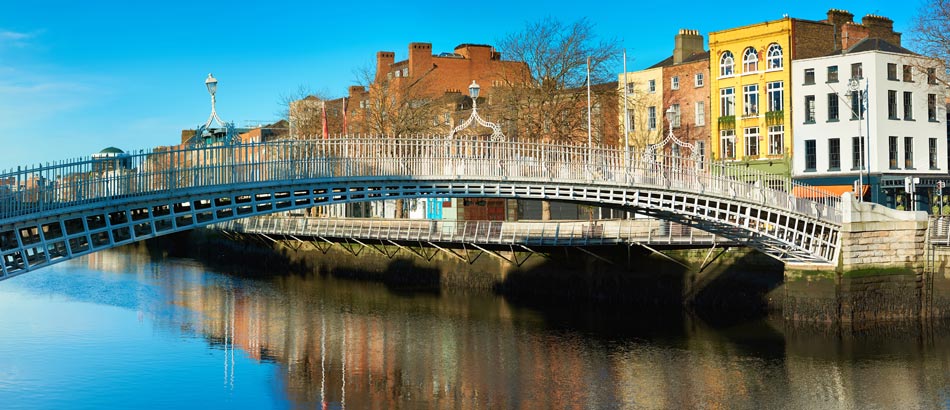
(825, 190)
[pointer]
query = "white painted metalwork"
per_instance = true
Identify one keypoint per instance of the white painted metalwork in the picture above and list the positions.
(530, 233)
(54, 212)
(496, 134)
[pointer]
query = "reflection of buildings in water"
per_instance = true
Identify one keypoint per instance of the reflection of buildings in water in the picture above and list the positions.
(360, 345)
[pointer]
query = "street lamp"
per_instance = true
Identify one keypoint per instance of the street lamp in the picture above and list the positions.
(229, 131)
(676, 144)
(496, 134)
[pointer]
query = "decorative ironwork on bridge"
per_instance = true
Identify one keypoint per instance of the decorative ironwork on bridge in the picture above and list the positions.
(55, 212)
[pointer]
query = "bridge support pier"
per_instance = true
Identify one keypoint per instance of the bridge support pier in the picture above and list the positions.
(879, 273)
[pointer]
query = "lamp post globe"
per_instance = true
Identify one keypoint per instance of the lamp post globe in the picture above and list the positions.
(473, 90)
(212, 84)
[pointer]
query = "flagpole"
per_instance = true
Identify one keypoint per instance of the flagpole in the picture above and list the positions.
(590, 144)
(626, 115)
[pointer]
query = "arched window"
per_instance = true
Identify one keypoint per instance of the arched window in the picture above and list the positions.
(726, 64)
(750, 60)
(774, 57)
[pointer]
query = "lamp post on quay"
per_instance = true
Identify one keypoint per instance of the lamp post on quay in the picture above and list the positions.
(225, 131)
(496, 134)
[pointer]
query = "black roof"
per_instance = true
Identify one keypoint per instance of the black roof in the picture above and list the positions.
(874, 44)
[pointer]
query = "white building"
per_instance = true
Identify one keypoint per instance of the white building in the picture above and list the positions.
(904, 126)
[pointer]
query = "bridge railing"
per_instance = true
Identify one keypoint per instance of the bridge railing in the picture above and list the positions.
(551, 233)
(99, 179)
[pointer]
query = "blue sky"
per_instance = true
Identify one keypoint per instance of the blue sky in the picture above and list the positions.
(78, 76)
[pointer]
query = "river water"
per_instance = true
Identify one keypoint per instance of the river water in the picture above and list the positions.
(121, 330)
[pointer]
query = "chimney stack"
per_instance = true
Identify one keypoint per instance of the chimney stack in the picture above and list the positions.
(687, 43)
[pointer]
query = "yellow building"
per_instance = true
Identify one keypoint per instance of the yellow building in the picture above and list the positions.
(749, 82)
(645, 114)
(750, 86)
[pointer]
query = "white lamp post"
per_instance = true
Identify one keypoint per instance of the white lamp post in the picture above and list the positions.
(496, 134)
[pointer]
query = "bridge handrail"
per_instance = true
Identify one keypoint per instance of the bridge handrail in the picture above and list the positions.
(88, 180)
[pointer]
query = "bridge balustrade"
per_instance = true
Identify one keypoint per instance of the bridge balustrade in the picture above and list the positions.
(28, 190)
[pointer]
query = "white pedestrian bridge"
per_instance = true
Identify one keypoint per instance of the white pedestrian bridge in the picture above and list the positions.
(54, 212)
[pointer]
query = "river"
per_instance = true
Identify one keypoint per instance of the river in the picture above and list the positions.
(119, 329)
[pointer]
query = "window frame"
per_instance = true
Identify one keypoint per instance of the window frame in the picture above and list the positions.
(834, 154)
(750, 136)
(834, 108)
(727, 143)
(810, 109)
(774, 57)
(776, 140)
(831, 74)
(811, 155)
(727, 64)
(750, 60)
(750, 100)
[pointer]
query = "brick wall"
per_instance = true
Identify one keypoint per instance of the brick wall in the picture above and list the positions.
(686, 96)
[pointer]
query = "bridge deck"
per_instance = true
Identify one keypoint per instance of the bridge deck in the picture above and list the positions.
(532, 233)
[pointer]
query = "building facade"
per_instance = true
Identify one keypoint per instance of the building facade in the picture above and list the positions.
(871, 111)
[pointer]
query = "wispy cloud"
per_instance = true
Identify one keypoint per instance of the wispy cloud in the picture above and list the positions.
(14, 39)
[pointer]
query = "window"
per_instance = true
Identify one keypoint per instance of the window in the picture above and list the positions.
(446, 118)
(727, 102)
(726, 63)
(892, 71)
(892, 152)
(833, 74)
(811, 155)
(630, 88)
(776, 95)
(698, 80)
(857, 71)
(908, 106)
(892, 104)
(857, 152)
(773, 57)
(750, 100)
(405, 72)
(752, 142)
(631, 119)
(675, 83)
(834, 154)
(675, 121)
(857, 106)
(932, 107)
(651, 118)
(809, 109)
(908, 74)
(728, 144)
(809, 76)
(776, 139)
(398, 73)
(832, 107)
(931, 76)
(750, 60)
(933, 153)
(651, 86)
(909, 152)
(700, 113)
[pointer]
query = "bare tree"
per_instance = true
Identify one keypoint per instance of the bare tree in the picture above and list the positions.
(930, 36)
(303, 109)
(396, 106)
(551, 104)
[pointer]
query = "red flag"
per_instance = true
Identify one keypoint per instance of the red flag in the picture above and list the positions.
(326, 130)
(344, 116)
